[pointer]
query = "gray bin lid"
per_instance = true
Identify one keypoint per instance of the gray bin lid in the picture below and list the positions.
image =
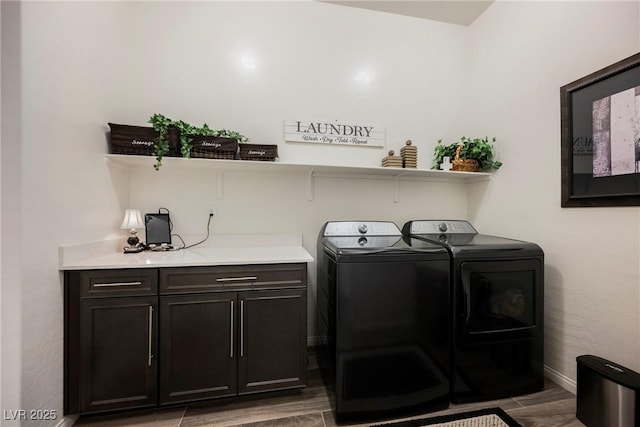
(612, 371)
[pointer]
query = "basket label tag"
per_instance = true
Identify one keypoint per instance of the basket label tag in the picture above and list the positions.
(138, 142)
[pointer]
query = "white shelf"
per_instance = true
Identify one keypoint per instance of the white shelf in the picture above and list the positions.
(169, 163)
(310, 170)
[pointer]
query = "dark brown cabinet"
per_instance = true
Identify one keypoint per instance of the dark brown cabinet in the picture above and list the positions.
(273, 340)
(248, 321)
(145, 337)
(111, 331)
(198, 359)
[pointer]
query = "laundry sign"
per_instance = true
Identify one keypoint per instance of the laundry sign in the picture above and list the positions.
(334, 132)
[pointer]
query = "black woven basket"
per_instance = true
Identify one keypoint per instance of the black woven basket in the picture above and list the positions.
(140, 140)
(259, 152)
(214, 147)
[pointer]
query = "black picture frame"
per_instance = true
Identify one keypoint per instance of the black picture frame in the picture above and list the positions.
(580, 187)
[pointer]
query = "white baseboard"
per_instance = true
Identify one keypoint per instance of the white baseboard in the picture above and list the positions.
(563, 381)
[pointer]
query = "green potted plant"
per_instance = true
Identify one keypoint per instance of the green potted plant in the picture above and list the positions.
(469, 154)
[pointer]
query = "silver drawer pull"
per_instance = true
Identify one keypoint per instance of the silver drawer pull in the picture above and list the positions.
(231, 337)
(236, 279)
(113, 285)
(241, 328)
(150, 335)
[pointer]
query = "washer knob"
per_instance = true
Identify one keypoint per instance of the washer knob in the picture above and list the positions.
(362, 228)
(362, 241)
(442, 226)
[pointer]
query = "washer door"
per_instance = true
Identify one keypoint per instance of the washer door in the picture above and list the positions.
(392, 335)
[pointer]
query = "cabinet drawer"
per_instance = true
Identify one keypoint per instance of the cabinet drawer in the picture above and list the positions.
(114, 283)
(225, 278)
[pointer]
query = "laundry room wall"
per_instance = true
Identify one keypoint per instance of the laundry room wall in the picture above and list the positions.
(10, 200)
(342, 65)
(249, 66)
(521, 53)
(236, 65)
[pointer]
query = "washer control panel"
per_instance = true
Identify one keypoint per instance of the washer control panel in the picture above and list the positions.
(349, 242)
(361, 228)
(440, 227)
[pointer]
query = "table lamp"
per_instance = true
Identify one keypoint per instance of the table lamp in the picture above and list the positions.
(132, 220)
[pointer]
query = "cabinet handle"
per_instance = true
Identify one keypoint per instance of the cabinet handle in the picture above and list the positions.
(108, 285)
(150, 334)
(231, 335)
(241, 328)
(236, 279)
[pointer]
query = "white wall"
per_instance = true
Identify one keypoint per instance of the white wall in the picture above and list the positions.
(307, 59)
(250, 66)
(68, 86)
(521, 53)
(10, 222)
(86, 63)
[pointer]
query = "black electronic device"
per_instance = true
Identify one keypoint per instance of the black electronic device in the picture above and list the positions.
(157, 229)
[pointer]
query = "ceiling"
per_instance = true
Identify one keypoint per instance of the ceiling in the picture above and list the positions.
(460, 12)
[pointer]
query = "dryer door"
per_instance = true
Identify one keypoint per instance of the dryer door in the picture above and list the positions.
(499, 296)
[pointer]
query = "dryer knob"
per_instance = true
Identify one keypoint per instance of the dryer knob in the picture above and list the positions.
(362, 241)
(442, 226)
(362, 228)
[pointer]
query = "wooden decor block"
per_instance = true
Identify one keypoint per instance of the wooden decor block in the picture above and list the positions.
(409, 155)
(392, 161)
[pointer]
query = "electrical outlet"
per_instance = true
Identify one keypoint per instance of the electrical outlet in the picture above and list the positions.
(212, 210)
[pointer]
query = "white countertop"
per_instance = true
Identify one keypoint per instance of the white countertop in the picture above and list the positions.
(261, 253)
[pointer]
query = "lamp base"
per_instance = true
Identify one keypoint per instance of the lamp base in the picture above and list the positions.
(132, 250)
(133, 241)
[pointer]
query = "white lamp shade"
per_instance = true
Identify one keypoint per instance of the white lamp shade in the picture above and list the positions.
(132, 219)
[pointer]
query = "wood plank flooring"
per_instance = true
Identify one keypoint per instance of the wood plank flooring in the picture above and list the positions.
(310, 407)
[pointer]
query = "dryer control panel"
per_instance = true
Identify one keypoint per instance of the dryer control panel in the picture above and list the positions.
(436, 226)
(361, 228)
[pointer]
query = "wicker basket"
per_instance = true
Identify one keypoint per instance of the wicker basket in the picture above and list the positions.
(464, 165)
(214, 147)
(139, 140)
(260, 152)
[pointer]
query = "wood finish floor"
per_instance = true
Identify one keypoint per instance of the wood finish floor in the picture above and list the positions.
(310, 407)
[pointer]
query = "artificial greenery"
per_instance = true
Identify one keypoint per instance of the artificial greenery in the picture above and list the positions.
(162, 124)
(184, 130)
(477, 149)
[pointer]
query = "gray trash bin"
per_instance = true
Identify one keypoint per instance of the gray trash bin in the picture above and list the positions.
(607, 393)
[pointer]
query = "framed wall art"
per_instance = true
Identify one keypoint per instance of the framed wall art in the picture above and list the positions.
(600, 137)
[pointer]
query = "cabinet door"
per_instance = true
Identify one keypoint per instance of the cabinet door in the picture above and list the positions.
(273, 340)
(118, 345)
(198, 338)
